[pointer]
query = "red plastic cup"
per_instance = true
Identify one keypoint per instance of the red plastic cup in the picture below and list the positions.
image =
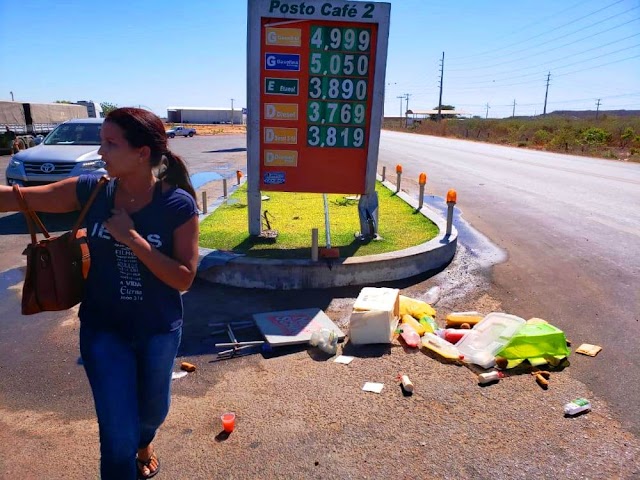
(228, 421)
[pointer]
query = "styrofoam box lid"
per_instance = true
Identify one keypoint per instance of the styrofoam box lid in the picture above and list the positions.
(489, 335)
(372, 298)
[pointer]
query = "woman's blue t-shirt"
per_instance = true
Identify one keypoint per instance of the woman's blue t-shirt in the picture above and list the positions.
(121, 293)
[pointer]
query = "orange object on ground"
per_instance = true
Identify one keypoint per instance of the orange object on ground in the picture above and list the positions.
(188, 367)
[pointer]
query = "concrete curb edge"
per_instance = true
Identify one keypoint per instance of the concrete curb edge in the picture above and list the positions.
(240, 271)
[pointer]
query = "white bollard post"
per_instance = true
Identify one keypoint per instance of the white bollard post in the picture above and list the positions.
(451, 202)
(204, 202)
(422, 181)
(224, 188)
(384, 173)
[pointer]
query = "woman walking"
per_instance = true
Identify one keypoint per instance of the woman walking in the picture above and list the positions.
(143, 239)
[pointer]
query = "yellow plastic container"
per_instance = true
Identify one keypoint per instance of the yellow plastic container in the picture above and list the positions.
(417, 326)
(415, 308)
(455, 319)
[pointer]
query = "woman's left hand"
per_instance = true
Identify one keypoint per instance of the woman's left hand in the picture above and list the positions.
(120, 226)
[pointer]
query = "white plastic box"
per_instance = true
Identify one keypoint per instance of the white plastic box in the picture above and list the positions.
(487, 337)
(375, 316)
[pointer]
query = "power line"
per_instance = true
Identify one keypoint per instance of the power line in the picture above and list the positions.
(544, 33)
(563, 58)
(548, 41)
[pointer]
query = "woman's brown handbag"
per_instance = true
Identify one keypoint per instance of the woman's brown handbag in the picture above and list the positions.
(56, 266)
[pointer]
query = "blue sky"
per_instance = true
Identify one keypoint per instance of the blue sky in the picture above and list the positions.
(159, 53)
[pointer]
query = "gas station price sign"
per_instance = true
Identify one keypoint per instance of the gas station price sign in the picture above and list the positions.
(316, 84)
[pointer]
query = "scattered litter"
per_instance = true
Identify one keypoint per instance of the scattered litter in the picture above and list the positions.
(176, 375)
(188, 367)
(441, 347)
(577, 406)
(415, 308)
(432, 296)
(487, 337)
(407, 384)
(457, 319)
(409, 335)
(588, 349)
(489, 377)
(375, 316)
(373, 387)
(536, 341)
(541, 380)
(325, 339)
(293, 327)
(344, 359)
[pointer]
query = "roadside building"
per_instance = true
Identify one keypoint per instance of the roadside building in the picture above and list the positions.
(204, 115)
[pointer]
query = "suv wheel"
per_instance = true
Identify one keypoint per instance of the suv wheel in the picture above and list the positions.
(172, 135)
(191, 134)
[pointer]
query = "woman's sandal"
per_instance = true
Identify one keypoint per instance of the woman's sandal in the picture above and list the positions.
(147, 463)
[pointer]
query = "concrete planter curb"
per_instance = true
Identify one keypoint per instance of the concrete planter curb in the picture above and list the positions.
(241, 271)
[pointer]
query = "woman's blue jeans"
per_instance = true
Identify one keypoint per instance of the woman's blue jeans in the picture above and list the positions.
(131, 383)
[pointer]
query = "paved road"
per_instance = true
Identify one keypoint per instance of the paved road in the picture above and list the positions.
(571, 228)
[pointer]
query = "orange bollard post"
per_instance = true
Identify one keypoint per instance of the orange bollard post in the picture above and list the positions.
(399, 173)
(422, 181)
(452, 197)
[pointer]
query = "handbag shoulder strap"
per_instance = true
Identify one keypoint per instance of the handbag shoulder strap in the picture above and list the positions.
(30, 216)
(83, 213)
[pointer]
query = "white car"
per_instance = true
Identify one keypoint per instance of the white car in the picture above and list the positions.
(181, 131)
(71, 149)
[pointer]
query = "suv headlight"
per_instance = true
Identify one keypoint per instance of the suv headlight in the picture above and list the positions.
(13, 163)
(93, 165)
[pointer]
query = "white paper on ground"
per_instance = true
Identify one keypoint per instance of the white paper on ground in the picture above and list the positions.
(373, 387)
(176, 375)
(343, 359)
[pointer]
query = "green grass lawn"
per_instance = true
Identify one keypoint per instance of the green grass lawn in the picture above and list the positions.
(293, 215)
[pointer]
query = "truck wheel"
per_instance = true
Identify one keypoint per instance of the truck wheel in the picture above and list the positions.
(191, 134)
(172, 135)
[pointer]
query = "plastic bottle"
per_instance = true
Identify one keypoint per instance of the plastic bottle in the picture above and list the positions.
(325, 339)
(409, 335)
(453, 335)
(432, 296)
(429, 324)
(576, 406)
(417, 326)
(490, 377)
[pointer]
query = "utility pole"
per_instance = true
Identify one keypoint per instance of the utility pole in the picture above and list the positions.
(487, 114)
(406, 115)
(232, 112)
(401, 97)
(597, 108)
(513, 113)
(406, 96)
(441, 79)
(544, 112)
(11, 96)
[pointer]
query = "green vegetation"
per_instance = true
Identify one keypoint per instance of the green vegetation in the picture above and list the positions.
(293, 215)
(107, 107)
(607, 137)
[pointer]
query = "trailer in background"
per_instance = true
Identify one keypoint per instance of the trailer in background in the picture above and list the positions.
(22, 123)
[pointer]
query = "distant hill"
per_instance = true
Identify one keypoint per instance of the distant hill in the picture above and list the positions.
(592, 113)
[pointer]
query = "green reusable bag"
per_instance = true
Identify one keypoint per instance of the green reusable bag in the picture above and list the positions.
(536, 341)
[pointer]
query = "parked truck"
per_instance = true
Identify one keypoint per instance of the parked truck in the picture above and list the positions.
(22, 124)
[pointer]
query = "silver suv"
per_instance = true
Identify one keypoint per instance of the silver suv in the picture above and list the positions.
(71, 149)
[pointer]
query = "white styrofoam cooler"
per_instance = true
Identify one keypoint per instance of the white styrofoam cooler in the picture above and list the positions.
(375, 316)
